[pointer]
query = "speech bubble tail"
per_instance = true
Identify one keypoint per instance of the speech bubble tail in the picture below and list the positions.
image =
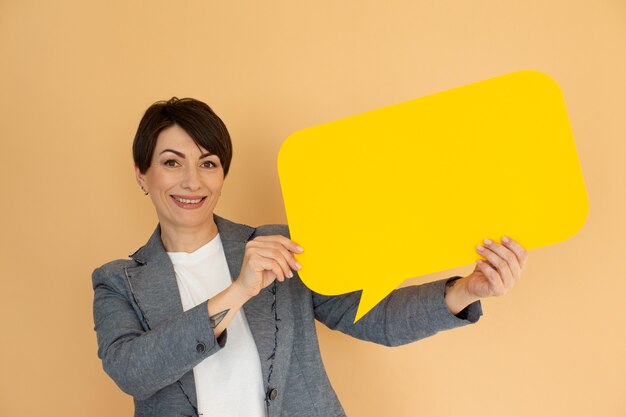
(372, 296)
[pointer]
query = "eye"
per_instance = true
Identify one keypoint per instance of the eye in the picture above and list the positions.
(208, 164)
(171, 163)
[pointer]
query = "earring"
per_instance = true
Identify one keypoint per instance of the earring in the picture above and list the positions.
(144, 191)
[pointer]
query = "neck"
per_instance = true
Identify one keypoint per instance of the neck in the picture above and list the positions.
(176, 239)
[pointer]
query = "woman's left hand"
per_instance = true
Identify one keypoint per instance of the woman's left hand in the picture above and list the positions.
(502, 270)
(495, 277)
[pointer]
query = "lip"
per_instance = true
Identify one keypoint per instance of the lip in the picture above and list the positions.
(188, 197)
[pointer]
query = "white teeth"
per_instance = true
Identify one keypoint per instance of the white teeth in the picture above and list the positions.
(184, 200)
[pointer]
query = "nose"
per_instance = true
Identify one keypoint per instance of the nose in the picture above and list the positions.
(191, 179)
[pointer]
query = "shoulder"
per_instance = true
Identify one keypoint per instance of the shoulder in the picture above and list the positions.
(116, 265)
(115, 274)
(272, 229)
(231, 230)
(112, 273)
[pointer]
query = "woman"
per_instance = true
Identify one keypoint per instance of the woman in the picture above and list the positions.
(210, 317)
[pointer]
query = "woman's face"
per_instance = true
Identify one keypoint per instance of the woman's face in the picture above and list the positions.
(184, 181)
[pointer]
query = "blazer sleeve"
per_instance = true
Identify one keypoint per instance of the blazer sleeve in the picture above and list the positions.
(404, 316)
(139, 359)
(407, 314)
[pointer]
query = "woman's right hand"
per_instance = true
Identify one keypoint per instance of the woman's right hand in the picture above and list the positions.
(267, 258)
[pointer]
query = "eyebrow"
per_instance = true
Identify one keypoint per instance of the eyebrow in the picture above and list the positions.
(182, 155)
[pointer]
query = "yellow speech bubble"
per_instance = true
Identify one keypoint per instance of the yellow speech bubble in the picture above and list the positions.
(410, 189)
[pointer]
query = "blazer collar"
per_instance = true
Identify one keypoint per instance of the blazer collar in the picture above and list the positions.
(153, 250)
(153, 283)
(153, 279)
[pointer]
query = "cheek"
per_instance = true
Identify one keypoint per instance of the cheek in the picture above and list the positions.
(216, 187)
(215, 182)
(161, 181)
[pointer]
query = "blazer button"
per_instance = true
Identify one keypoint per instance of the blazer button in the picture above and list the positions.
(200, 347)
(273, 394)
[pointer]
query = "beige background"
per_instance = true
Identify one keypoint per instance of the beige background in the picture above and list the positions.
(76, 77)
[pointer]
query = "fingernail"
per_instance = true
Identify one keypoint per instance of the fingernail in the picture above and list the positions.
(298, 266)
(299, 249)
(480, 261)
(290, 274)
(505, 239)
(480, 248)
(487, 242)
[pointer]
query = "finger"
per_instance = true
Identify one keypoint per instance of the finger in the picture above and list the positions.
(275, 250)
(277, 256)
(267, 277)
(286, 242)
(276, 246)
(509, 256)
(498, 263)
(267, 264)
(495, 282)
(520, 252)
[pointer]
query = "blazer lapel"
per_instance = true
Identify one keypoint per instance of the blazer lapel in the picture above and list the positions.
(259, 310)
(154, 287)
(153, 282)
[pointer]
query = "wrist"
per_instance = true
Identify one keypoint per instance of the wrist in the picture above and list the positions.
(239, 292)
(457, 296)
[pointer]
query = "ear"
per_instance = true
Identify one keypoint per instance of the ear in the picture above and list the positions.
(140, 178)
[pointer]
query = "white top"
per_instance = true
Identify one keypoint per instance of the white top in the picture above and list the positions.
(229, 383)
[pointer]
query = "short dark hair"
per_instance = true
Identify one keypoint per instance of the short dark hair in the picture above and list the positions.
(195, 117)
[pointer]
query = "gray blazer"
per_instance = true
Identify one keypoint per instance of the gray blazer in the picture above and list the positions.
(149, 346)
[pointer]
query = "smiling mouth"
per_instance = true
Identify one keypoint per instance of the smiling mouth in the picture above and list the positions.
(188, 202)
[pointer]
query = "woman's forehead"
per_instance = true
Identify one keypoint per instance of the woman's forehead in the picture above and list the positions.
(176, 138)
